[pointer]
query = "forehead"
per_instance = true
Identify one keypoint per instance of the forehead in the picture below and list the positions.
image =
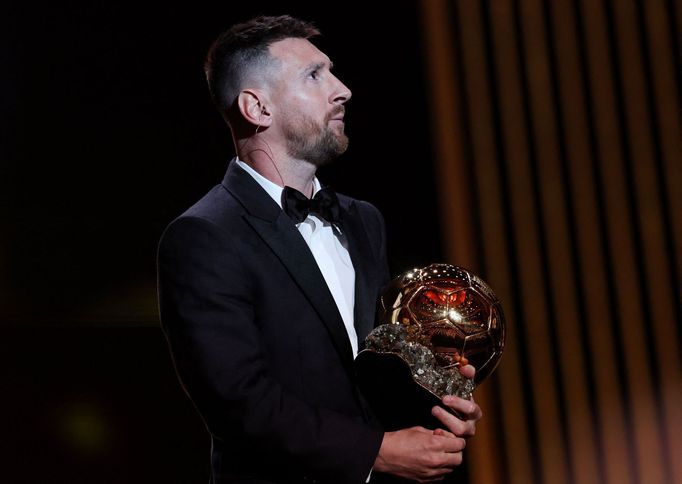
(297, 54)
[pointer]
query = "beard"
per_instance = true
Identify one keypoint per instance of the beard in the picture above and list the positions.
(314, 142)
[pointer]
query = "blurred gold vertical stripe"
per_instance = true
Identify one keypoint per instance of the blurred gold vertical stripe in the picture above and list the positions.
(631, 298)
(609, 408)
(572, 132)
(667, 103)
(667, 100)
(524, 214)
(651, 233)
(621, 251)
(455, 194)
(494, 238)
(557, 239)
(456, 198)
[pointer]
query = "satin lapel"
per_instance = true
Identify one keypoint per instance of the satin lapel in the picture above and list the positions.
(286, 242)
(280, 234)
(360, 253)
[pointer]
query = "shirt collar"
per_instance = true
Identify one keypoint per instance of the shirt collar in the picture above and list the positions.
(272, 189)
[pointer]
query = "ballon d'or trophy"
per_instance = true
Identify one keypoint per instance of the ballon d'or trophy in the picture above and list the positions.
(432, 321)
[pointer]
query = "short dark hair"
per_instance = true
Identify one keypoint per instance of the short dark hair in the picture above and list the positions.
(242, 48)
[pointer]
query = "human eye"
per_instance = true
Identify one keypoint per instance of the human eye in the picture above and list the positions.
(314, 74)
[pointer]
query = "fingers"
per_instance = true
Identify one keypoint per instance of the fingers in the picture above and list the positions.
(445, 441)
(467, 371)
(453, 424)
(467, 409)
(454, 445)
(420, 454)
(435, 475)
(465, 425)
(446, 462)
(435, 479)
(444, 433)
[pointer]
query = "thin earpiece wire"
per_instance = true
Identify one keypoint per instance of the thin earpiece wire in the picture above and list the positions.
(270, 156)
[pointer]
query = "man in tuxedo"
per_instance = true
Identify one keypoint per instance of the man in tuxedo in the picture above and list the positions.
(268, 282)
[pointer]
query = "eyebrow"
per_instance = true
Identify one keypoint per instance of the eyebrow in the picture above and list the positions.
(319, 65)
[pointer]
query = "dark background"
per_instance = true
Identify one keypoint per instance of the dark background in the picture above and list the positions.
(107, 133)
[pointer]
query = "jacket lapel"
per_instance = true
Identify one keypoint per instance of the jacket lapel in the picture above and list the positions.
(359, 249)
(278, 231)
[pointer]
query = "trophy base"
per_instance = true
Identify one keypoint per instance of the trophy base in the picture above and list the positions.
(397, 400)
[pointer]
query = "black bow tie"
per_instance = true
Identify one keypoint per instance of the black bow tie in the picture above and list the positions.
(325, 204)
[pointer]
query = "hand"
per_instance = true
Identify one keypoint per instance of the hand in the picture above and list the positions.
(468, 412)
(419, 454)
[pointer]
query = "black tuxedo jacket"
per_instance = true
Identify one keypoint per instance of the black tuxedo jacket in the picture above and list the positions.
(257, 339)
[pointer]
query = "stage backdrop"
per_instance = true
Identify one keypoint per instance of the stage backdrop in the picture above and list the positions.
(554, 145)
(557, 126)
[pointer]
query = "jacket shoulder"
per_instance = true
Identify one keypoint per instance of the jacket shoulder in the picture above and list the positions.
(217, 207)
(369, 214)
(366, 209)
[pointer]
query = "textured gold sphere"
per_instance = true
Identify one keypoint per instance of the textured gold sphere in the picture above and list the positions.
(450, 311)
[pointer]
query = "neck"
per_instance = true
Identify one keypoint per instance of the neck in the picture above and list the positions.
(272, 161)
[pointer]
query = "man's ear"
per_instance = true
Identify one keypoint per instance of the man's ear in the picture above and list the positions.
(252, 107)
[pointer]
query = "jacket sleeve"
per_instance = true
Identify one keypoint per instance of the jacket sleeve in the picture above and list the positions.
(206, 301)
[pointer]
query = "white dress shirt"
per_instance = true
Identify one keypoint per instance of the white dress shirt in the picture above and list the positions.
(330, 250)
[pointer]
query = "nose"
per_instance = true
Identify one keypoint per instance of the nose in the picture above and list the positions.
(341, 93)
